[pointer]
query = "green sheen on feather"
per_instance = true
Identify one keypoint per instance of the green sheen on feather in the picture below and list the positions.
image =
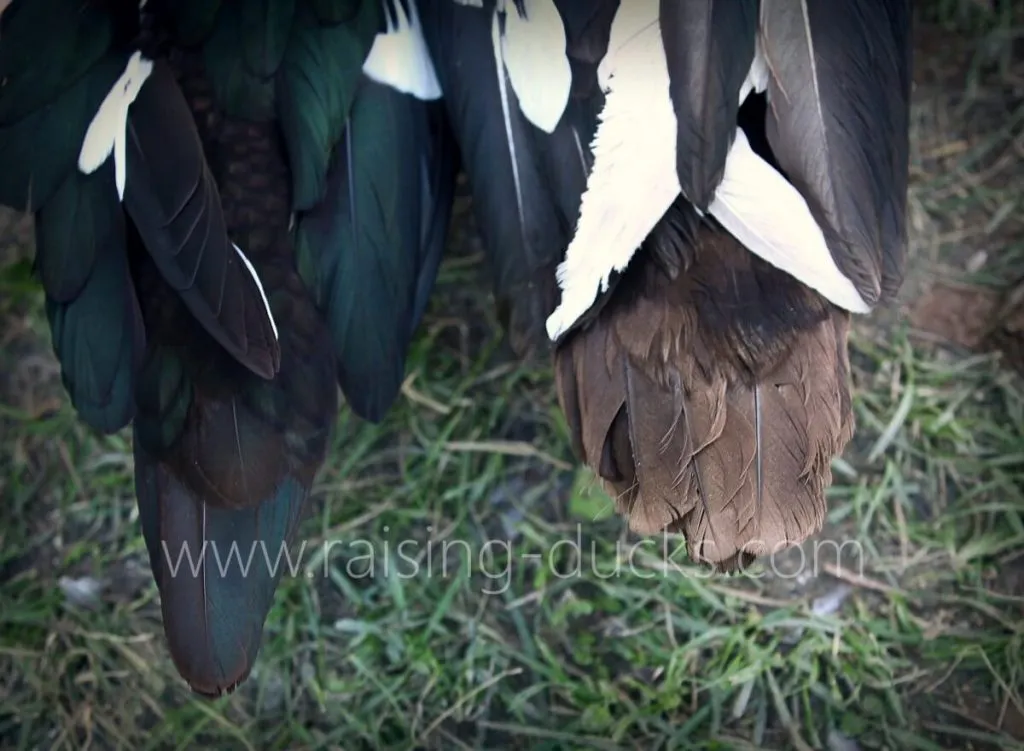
(266, 27)
(73, 228)
(213, 614)
(359, 251)
(319, 78)
(163, 397)
(97, 334)
(239, 91)
(40, 150)
(68, 49)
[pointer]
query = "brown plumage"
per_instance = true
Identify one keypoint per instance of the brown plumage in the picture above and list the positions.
(710, 397)
(707, 388)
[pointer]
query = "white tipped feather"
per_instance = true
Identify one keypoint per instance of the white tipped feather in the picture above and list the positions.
(769, 216)
(762, 210)
(108, 131)
(533, 49)
(633, 181)
(399, 56)
(540, 101)
(259, 286)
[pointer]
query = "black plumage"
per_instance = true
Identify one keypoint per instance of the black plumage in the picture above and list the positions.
(709, 48)
(839, 125)
(255, 260)
(526, 183)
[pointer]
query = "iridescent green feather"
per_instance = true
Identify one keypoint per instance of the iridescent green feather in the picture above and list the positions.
(318, 83)
(91, 304)
(40, 150)
(81, 257)
(369, 251)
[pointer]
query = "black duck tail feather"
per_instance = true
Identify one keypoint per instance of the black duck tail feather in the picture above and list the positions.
(45, 113)
(370, 250)
(709, 48)
(45, 110)
(440, 163)
(227, 434)
(216, 569)
(224, 462)
(508, 194)
(137, 173)
(838, 124)
(94, 315)
(526, 181)
(588, 26)
(318, 81)
(174, 202)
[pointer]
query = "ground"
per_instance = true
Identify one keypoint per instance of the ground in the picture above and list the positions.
(912, 638)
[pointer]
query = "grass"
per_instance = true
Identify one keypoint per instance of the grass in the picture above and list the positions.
(912, 638)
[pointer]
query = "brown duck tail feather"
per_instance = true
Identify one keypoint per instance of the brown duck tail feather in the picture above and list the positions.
(712, 404)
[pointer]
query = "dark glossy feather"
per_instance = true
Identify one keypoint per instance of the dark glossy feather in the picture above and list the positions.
(318, 79)
(70, 50)
(265, 30)
(371, 249)
(525, 183)
(241, 453)
(81, 222)
(174, 202)
(224, 456)
(229, 435)
(297, 61)
(238, 54)
(91, 305)
(587, 28)
(838, 124)
(40, 148)
(216, 569)
(709, 47)
(80, 246)
(440, 159)
(156, 318)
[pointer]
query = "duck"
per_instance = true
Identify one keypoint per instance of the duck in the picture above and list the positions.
(239, 210)
(683, 205)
